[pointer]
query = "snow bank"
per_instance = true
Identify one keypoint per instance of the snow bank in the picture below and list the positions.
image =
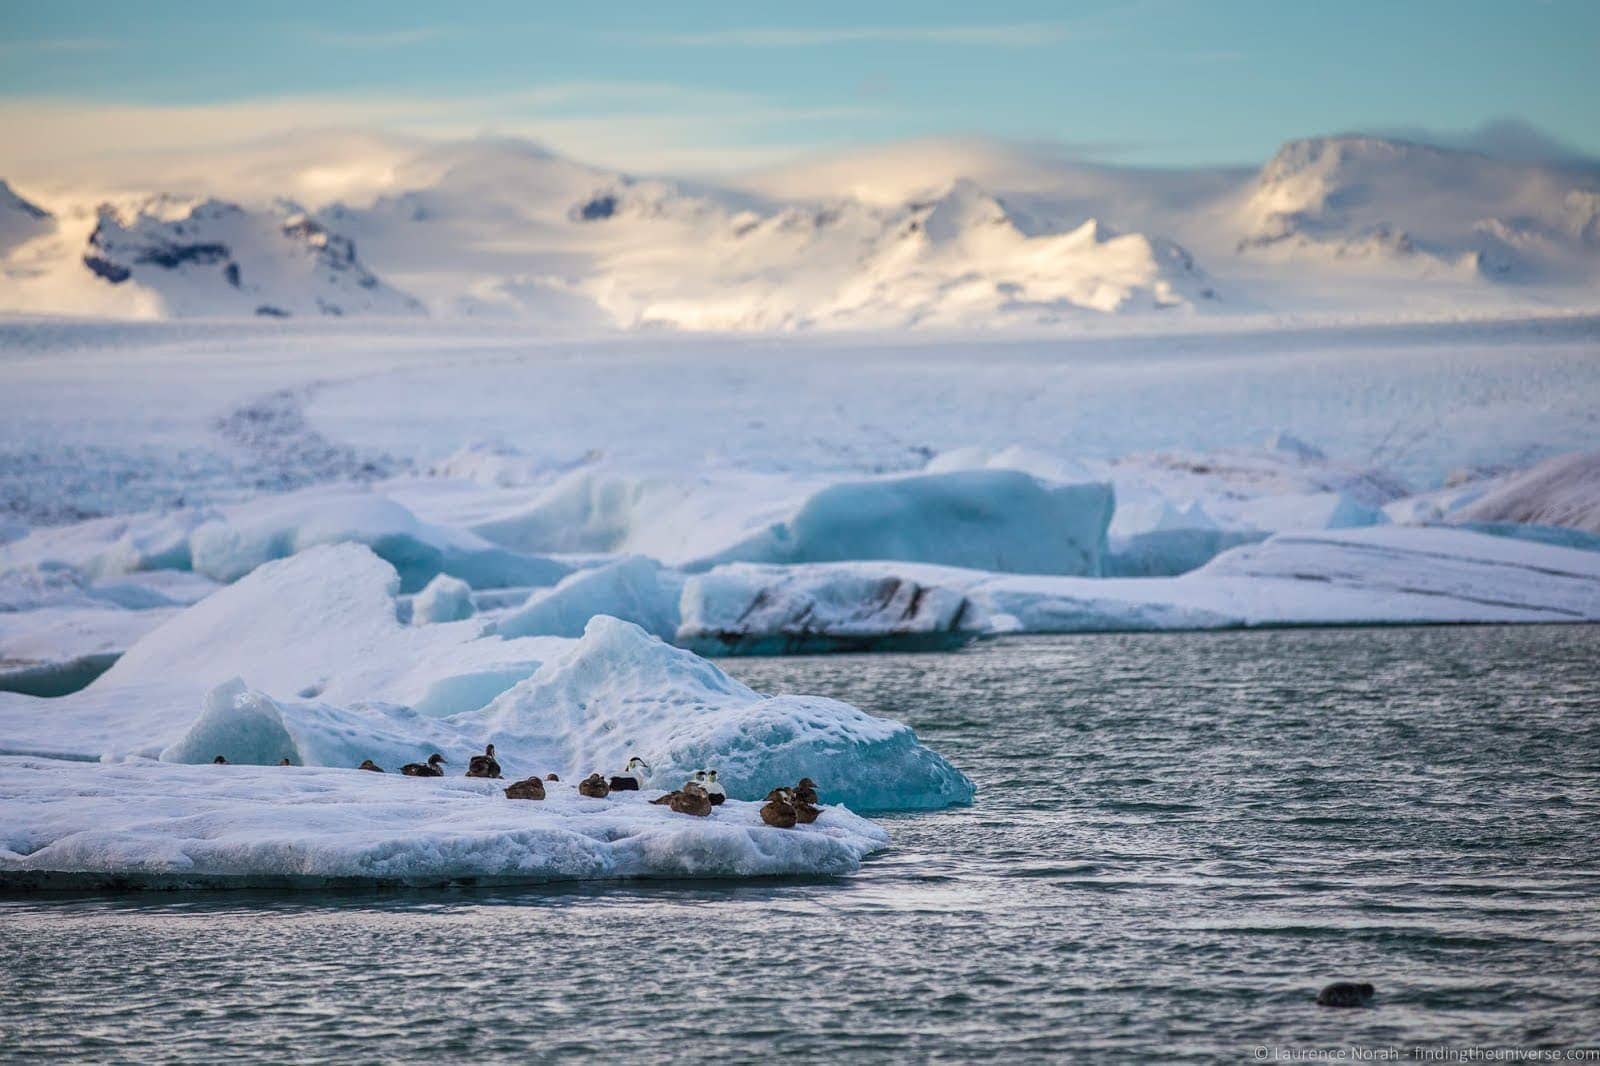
(163, 826)
(1564, 491)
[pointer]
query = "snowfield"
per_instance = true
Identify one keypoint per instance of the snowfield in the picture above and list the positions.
(151, 825)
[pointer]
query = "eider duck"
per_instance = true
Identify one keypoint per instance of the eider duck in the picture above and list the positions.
(427, 769)
(529, 789)
(485, 765)
(285, 761)
(552, 777)
(691, 799)
(806, 791)
(1345, 994)
(631, 779)
(779, 810)
(219, 761)
(714, 791)
(594, 786)
(368, 764)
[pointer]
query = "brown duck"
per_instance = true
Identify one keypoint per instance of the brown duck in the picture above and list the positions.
(368, 764)
(779, 809)
(484, 765)
(806, 791)
(691, 799)
(530, 789)
(425, 769)
(594, 786)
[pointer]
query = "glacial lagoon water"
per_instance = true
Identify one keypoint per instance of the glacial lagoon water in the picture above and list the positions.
(1178, 838)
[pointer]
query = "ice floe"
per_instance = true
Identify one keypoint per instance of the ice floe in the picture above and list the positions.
(156, 825)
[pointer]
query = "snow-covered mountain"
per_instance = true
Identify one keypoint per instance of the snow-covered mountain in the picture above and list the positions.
(981, 236)
(217, 258)
(20, 221)
(1383, 204)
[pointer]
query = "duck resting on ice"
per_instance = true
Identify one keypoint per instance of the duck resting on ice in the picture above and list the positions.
(631, 779)
(485, 765)
(425, 769)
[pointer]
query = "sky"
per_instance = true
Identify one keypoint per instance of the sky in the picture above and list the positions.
(705, 87)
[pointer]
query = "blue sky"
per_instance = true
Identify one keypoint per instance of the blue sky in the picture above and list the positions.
(1164, 82)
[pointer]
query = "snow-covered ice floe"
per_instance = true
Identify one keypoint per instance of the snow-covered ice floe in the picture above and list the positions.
(305, 659)
(156, 825)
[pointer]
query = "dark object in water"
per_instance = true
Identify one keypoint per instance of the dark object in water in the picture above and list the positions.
(529, 789)
(1346, 994)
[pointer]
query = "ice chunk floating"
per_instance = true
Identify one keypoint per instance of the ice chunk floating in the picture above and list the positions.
(154, 825)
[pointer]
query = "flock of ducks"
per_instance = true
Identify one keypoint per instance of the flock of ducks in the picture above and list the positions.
(784, 807)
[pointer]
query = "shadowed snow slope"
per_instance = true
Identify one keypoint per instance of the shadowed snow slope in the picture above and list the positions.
(162, 826)
(1564, 491)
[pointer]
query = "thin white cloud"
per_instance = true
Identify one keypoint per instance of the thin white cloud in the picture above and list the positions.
(377, 40)
(1006, 35)
(57, 45)
(305, 145)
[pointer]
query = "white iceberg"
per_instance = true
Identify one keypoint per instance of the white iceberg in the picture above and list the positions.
(306, 660)
(157, 825)
(444, 599)
(638, 589)
(1374, 575)
(995, 519)
(228, 547)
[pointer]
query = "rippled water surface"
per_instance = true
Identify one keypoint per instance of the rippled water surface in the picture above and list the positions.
(1177, 840)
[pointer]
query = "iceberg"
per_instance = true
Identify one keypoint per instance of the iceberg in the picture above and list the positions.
(153, 825)
(638, 589)
(996, 519)
(1372, 575)
(444, 599)
(305, 659)
(251, 534)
